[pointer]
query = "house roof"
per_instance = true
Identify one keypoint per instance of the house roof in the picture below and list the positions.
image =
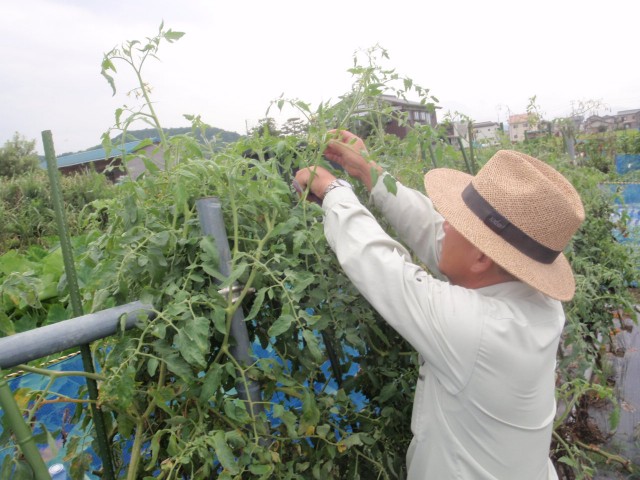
(519, 118)
(597, 118)
(629, 112)
(401, 101)
(96, 155)
(485, 124)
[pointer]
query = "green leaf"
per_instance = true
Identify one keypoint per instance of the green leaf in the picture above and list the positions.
(172, 36)
(51, 442)
(209, 270)
(119, 112)
(323, 430)
(388, 391)
(210, 250)
(236, 410)
(258, 469)
(299, 240)
(236, 273)
(220, 320)
(258, 300)
(281, 325)
(568, 460)
(193, 340)
(159, 330)
(211, 382)
(174, 361)
(160, 239)
(352, 440)
(303, 106)
(380, 334)
(390, 183)
(152, 366)
(224, 453)
(80, 464)
(235, 439)
(312, 345)
(22, 471)
(108, 77)
(614, 418)
(7, 466)
(155, 448)
(6, 325)
(310, 414)
(300, 280)
(288, 418)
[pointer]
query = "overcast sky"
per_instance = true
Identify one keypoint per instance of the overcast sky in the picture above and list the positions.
(481, 58)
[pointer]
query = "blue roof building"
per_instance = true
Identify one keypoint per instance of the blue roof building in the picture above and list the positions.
(99, 160)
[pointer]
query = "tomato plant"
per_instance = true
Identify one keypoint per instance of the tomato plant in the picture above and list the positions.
(336, 383)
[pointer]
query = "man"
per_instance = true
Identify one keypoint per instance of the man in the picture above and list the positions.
(487, 336)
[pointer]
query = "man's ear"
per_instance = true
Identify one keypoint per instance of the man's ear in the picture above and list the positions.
(482, 263)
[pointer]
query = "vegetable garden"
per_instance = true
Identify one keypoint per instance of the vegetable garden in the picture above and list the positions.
(335, 382)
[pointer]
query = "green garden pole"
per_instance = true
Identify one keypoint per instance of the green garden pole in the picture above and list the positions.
(472, 157)
(76, 301)
(464, 155)
(432, 154)
(21, 430)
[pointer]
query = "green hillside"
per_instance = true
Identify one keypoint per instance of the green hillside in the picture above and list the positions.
(222, 136)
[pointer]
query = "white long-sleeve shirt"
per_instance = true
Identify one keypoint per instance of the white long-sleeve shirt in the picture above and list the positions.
(484, 403)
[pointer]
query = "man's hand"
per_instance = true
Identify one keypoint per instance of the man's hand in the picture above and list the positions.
(349, 151)
(315, 179)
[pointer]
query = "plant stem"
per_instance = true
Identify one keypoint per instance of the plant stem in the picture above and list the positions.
(611, 457)
(136, 449)
(54, 374)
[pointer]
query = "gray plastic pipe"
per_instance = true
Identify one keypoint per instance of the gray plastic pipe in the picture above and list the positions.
(40, 342)
(212, 223)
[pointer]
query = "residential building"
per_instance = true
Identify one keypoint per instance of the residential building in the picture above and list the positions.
(111, 164)
(600, 124)
(623, 120)
(483, 133)
(628, 119)
(487, 133)
(523, 127)
(416, 113)
(458, 134)
(404, 115)
(518, 125)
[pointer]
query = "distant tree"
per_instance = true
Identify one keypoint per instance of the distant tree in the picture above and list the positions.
(569, 126)
(18, 156)
(294, 127)
(535, 116)
(266, 128)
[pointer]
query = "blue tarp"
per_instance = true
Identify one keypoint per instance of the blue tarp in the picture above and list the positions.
(626, 163)
(58, 417)
(628, 203)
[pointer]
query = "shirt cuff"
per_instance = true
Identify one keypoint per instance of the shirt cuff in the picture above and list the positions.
(339, 195)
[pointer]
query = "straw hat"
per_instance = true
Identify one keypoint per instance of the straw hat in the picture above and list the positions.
(518, 211)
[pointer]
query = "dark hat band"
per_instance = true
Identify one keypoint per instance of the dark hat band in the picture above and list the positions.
(505, 229)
